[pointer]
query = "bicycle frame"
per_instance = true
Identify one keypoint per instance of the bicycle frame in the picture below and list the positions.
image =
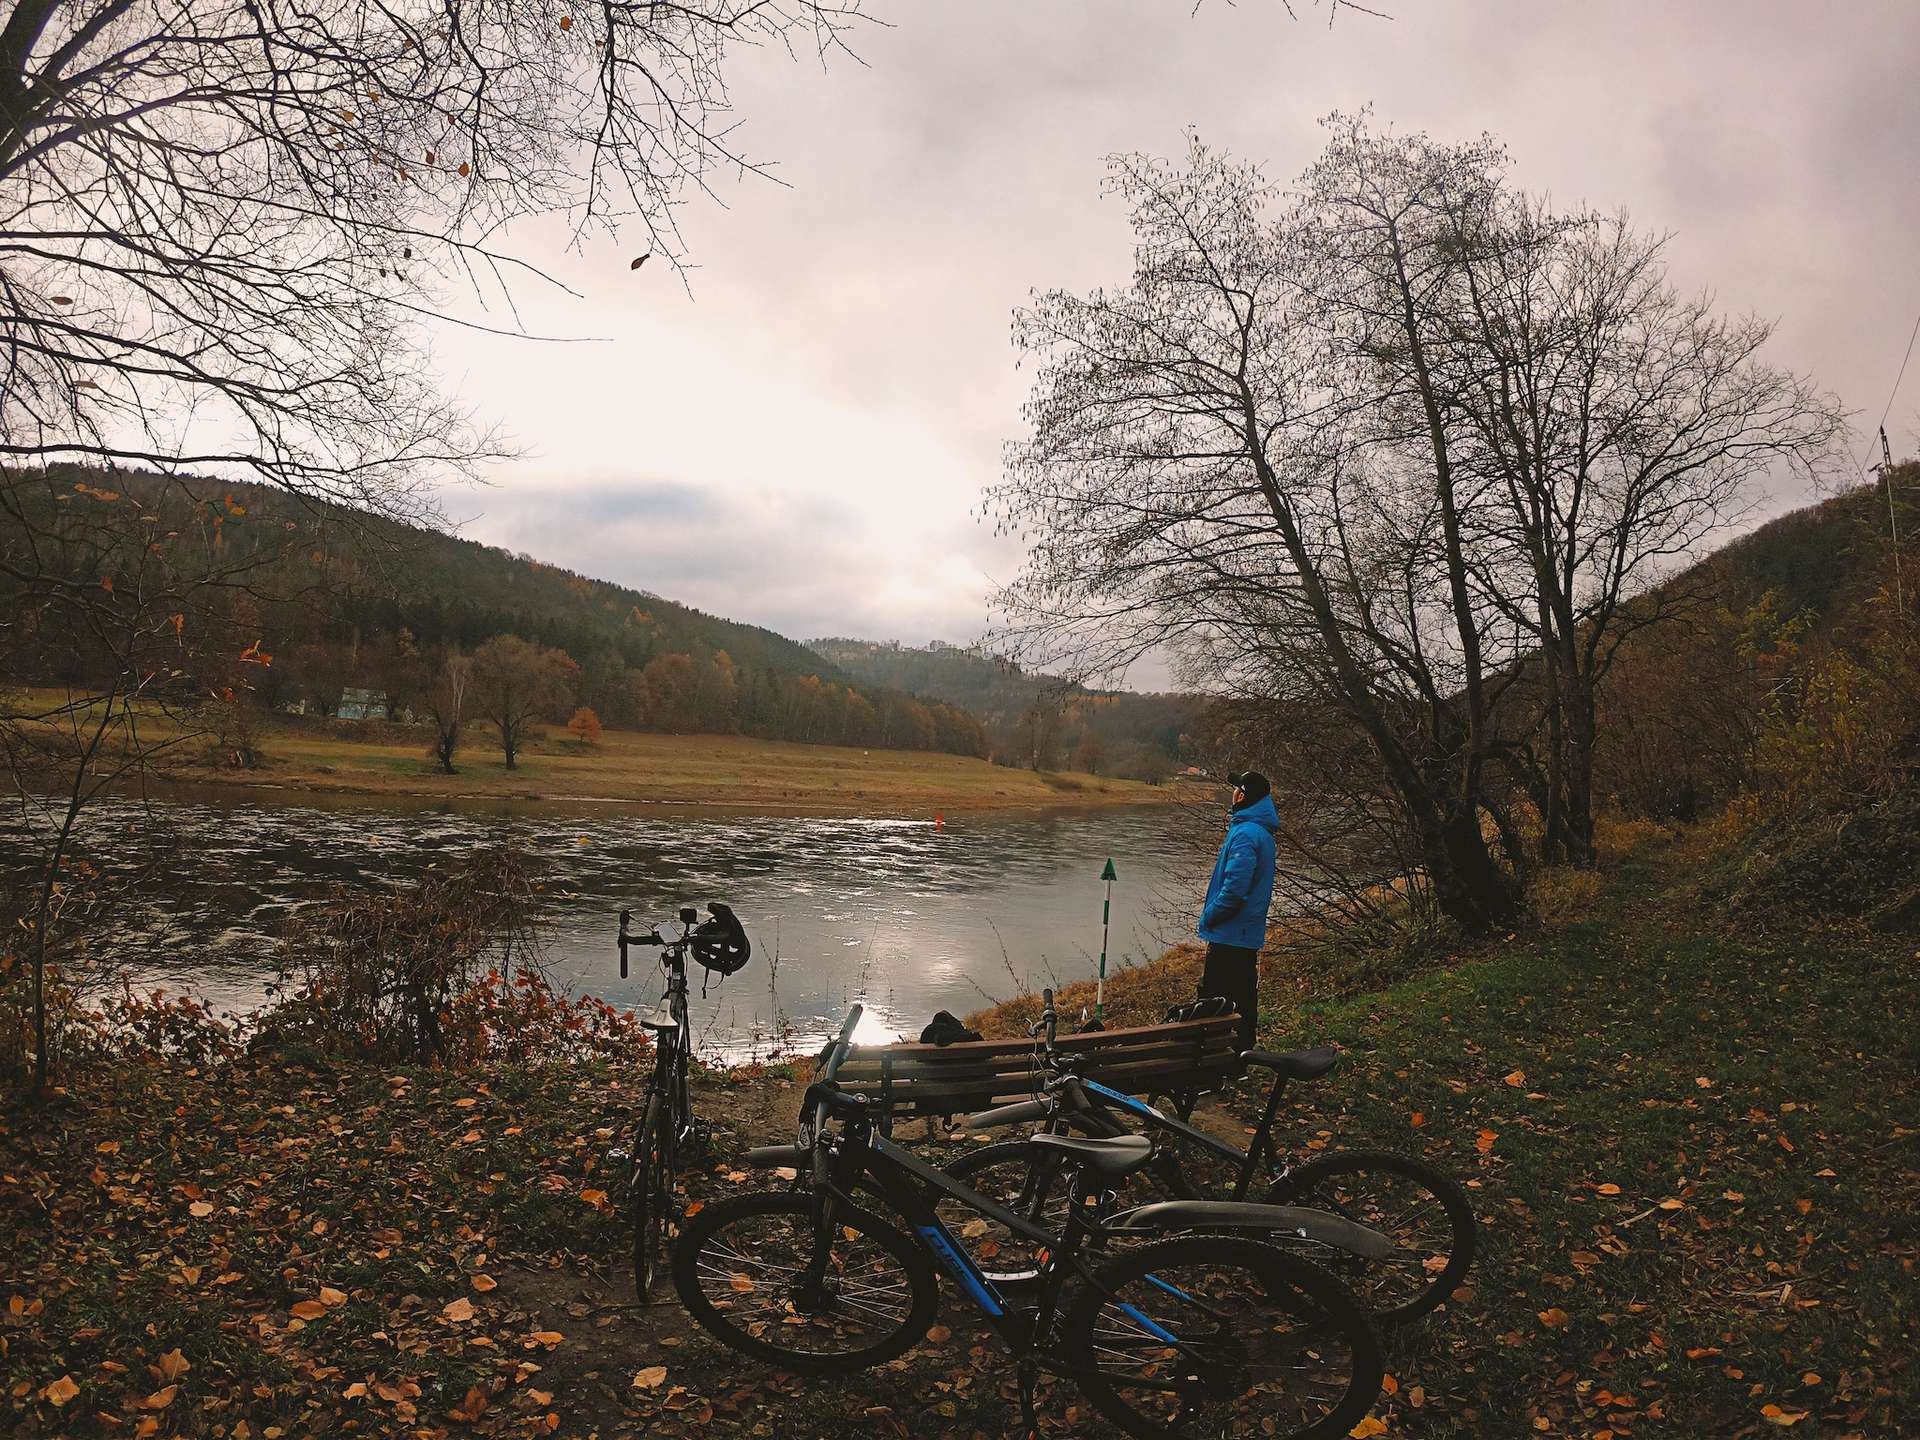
(1091, 1104)
(908, 1183)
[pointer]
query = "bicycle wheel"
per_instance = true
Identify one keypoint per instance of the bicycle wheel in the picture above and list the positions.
(1031, 1181)
(1221, 1336)
(738, 1268)
(650, 1194)
(1424, 1213)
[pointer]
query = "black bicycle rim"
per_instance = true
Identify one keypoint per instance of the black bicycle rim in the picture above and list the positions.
(1425, 1214)
(1219, 1336)
(740, 1269)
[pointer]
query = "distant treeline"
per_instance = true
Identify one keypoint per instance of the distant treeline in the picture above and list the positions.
(340, 600)
(1034, 721)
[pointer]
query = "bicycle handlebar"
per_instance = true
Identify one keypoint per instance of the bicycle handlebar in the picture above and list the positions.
(823, 1079)
(652, 937)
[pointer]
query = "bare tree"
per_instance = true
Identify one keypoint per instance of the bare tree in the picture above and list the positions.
(1406, 448)
(1221, 460)
(221, 227)
(116, 602)
(515, 683)
(446, 702)
(1613, 425)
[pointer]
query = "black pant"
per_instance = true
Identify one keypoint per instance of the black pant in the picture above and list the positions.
(1233, 971)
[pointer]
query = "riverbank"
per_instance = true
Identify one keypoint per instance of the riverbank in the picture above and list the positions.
(1689, 1142)
(716, 771)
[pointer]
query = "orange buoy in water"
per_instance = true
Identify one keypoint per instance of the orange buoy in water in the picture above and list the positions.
(939, 821)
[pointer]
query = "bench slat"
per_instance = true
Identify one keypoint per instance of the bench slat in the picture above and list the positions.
(915, 1080)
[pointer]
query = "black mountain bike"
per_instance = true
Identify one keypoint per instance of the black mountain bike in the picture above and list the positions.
(667, 1126)
(1424, 1213)
(1205, 1333)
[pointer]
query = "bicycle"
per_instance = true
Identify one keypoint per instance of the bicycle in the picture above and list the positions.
(1187, 1334)
(667, 1124)
(1425, 1213)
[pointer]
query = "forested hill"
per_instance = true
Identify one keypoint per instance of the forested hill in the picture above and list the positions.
(1032, 720)
(344, 600)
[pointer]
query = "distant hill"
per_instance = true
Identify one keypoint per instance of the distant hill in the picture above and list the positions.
(345, 600)
(1032, 720)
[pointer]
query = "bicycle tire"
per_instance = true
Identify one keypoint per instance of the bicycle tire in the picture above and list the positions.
(650, 1195)
(1329, 1183)
(704, 1255)
(1318, 1303)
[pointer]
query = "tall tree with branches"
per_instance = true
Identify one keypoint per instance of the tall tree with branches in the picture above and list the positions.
(222, 230)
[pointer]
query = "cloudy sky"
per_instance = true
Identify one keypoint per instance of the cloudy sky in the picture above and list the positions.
(801, 441)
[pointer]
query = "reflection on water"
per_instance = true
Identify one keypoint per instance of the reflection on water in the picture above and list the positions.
(904, 916)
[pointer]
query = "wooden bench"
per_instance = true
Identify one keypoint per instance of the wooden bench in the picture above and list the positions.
(914, 1081)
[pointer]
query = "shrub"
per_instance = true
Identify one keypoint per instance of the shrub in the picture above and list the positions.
(445, 971)
(585, 726)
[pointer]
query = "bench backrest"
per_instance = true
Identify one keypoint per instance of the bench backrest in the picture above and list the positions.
(913, 1080)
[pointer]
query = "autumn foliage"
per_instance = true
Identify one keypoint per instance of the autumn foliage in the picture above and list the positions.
(584, 726)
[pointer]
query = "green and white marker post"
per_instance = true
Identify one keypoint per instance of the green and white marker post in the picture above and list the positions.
(1106, 924)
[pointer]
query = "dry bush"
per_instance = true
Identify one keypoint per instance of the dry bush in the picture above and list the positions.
(445, 971)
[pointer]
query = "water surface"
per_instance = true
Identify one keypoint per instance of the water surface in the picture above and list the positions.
(903, 915)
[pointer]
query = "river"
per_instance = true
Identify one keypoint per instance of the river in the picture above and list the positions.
(905, 916)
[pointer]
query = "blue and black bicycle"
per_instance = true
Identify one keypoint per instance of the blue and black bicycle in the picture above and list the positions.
(1201, 1332)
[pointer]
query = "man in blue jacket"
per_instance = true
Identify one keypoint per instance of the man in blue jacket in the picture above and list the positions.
(1233, 921)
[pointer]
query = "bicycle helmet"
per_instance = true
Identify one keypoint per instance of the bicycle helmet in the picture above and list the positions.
(720, 942)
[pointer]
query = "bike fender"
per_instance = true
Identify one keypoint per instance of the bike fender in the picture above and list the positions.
(1315, 1225)
(772, 1157)
(1023, 1113)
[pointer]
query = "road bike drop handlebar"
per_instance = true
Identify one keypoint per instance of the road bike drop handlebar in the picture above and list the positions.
(652, 937)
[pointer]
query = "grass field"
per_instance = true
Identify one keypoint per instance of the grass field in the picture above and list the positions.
(715, 770)
(1693, 1147)
(690, 769)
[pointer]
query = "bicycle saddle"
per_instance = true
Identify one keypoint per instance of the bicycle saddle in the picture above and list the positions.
(1295, 1064)
(660, 1017)
(1121, 1155)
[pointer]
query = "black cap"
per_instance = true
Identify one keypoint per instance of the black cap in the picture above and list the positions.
(1252, 782)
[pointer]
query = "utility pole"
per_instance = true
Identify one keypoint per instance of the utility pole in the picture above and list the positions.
(1893, 522)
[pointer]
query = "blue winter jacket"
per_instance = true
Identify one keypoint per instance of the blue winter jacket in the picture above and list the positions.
(1242, 885)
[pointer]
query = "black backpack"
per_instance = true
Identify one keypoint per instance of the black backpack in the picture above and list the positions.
(945, 1028)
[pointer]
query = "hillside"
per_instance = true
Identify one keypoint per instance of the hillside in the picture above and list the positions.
(1032, 720)
(344, 600)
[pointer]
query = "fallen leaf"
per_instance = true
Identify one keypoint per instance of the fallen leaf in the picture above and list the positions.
(457, 1310)
(173, 1365)
(484, 1283)
(1367, 1427)
(548, 1338)
(1484, 1141)
(160, 1399)
(60, 1391)
(1776, 1416)
(330, 1297)
(1607, 1189)
(1517, 1078)
(200, 1209)
(650, 1378)
(308, 1309)
(1555, 1319)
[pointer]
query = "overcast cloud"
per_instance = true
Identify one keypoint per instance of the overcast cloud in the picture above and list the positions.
(801, 443)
